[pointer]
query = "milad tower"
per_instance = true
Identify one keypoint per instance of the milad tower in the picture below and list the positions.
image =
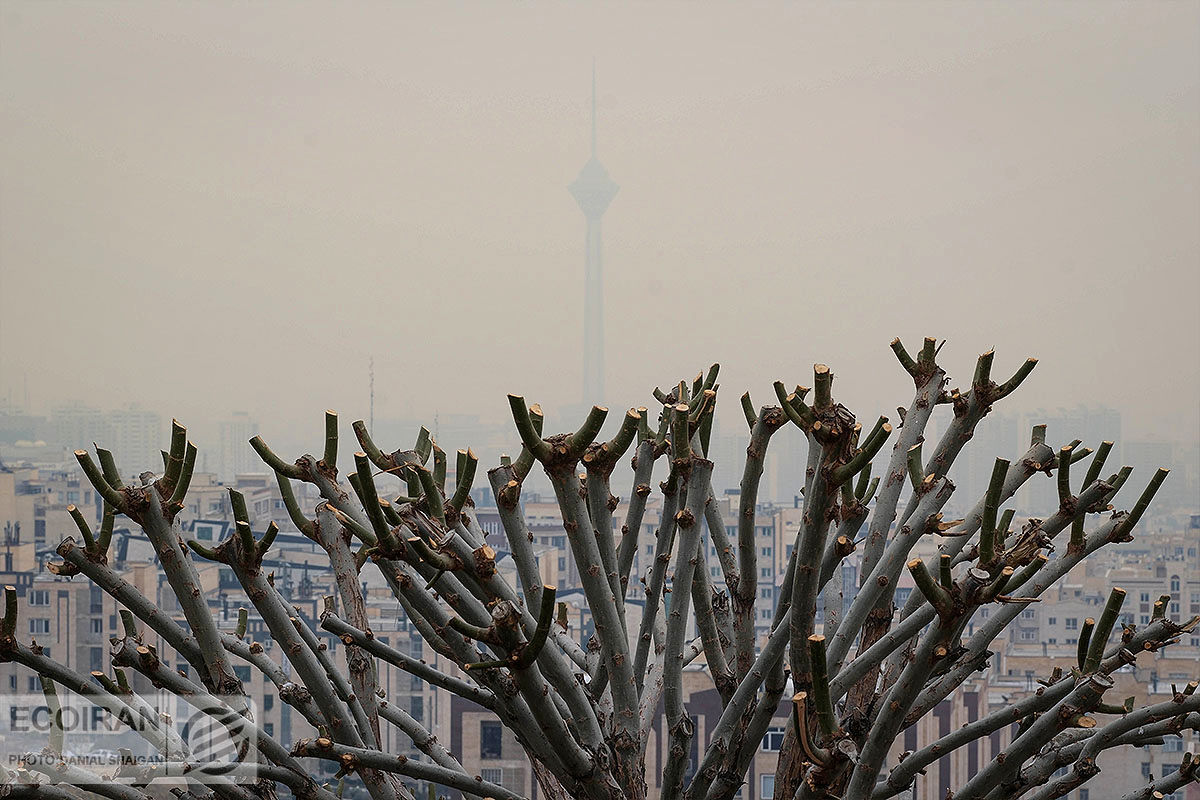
(593, 190)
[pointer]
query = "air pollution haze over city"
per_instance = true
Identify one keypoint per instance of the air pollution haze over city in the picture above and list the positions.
(272, 208)
(319, 324)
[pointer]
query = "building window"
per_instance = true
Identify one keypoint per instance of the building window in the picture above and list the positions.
(1052, 620)
(1174, 583)
(97, 625)
(268, 702)
(773, 741)
(242, 673)
(1172, 744)
(490, 737)
(417, 707)
(96, 657)
(768, 787)
(39, 625)
(40, 597)
(269, 728)
(492, 775)
(1072, 623)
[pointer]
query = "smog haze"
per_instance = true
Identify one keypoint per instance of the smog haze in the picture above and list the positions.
(214, 208)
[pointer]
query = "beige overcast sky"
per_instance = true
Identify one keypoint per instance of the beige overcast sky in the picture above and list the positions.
(208, 207)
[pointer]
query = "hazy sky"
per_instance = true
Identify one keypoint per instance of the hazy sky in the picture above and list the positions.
(206, 208)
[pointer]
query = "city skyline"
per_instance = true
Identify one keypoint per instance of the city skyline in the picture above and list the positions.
(224, 449)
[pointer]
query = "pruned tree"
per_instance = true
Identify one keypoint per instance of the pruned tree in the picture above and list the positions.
(583, 714)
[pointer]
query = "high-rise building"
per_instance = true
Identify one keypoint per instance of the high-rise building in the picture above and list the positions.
(998, 435)
(78, 426)
(593, 189)
(1091, 425)
(236, 455)
(137, 435)
(134, 435)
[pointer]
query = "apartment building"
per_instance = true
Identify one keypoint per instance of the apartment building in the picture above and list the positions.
(75, 621)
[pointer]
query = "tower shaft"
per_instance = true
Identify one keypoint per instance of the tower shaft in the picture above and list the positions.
(593, 316)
